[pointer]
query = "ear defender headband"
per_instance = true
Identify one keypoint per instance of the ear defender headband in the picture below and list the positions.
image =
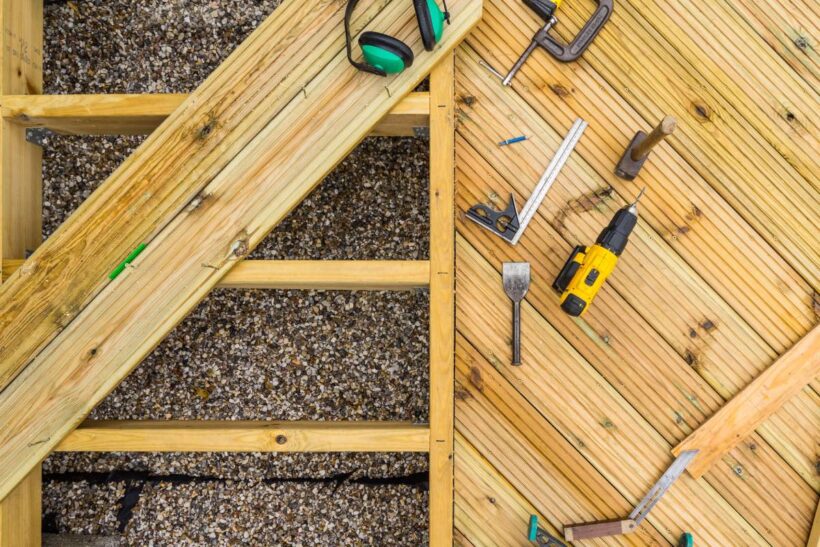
(384, 54)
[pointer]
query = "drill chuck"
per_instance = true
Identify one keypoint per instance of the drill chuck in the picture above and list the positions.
(616, 234)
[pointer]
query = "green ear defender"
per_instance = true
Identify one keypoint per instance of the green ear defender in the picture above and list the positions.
(384, 54)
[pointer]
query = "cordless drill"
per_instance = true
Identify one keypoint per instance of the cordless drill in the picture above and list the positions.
(587, 268)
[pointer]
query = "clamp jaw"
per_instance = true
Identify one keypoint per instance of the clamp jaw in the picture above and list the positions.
(572, 51)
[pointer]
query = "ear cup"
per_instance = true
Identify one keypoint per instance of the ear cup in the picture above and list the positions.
(385, 52)
(431, 22)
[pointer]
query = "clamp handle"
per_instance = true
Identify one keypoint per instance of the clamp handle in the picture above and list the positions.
(572, 51)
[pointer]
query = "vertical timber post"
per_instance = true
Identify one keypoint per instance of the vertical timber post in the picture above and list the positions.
(21, 73)
(442, 303)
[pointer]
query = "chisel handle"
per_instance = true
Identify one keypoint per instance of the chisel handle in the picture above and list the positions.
(516, 360)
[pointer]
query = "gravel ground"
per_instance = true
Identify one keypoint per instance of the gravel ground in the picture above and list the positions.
(247, 354)
(230, 512)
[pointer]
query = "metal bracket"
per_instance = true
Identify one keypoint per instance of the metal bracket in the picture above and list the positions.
(37, 135)
(421, 131)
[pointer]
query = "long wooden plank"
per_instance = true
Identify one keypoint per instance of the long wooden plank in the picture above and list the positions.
(353, 275)
(187, 258)
(20, 521)
(645, 370)
(584, 408)
(442, 304)
(267, 76)
(721, 145)
(21, 59)
(21, 43)
(749, 408)
(671, 296)
(328, 274)
(246, 436)
(141, 114)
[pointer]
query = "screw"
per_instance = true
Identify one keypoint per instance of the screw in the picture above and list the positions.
(281, 439)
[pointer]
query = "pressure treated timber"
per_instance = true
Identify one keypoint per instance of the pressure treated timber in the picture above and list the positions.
(267, 79)
(319, 124)
(21, 43)
(621, 345)
(245, 436)
(20, 521)
(585, 409)
(442, 305)
(760, 150)
(21, 59)
(814, 536)
(749, 408)
(352, 275)
(673, 297)
(141, 114)
(328, 274)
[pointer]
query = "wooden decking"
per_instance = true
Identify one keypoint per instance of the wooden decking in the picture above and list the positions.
(719, 279)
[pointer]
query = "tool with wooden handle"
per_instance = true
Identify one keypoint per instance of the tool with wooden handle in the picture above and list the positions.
(587, 268)
(639, 513)
(641, 145)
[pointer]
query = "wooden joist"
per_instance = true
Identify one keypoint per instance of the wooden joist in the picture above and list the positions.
(245, 436)
(140, 114)
(748, 409)
(20, 521)
(202, 191)
(442, 298)
(315, 274)
(21, 71)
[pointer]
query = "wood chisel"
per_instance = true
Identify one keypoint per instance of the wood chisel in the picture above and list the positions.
(516, 279)
(612, 528)
(507, 223)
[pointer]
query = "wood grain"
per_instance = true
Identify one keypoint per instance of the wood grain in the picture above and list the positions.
(258, 188)
(749, 408)
(20, 521)
(442, 299)
(246, 436)
(315, 274)
(142, 113)
(258, 82)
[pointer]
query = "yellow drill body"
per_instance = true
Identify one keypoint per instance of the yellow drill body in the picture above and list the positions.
(594, 266)
(587, 268)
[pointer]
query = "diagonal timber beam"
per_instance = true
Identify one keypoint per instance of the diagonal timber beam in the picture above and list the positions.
(202, 192)
(748, 409)
(140, 114)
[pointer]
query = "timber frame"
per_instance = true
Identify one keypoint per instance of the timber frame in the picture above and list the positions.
(23, 106)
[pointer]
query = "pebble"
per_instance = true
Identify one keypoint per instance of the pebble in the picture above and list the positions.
(247, 354)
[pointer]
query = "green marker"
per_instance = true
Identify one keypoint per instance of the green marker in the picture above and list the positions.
(130, 258)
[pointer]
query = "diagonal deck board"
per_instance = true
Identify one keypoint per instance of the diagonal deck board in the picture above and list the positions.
(674, 309)
(272, 173)
(718, 281)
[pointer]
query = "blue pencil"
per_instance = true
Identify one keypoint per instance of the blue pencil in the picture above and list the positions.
(512, 140)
